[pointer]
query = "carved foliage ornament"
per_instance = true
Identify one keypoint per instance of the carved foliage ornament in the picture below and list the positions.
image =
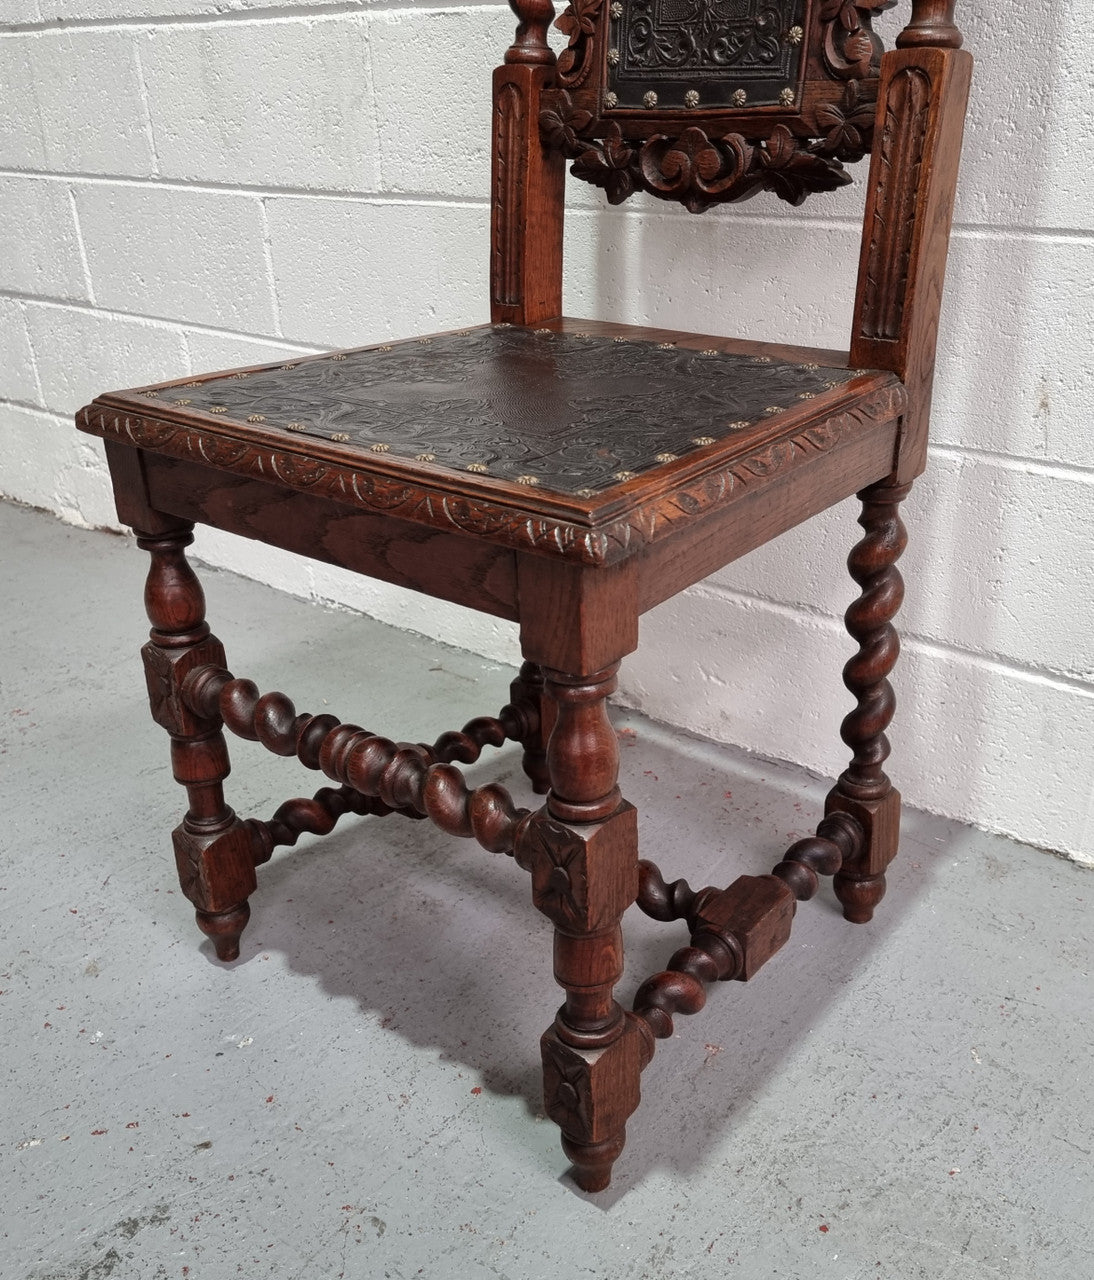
(894, 222)
(851, 50)
(508, 247)
(578, 23)
(703, 166)
(849, 124)
(556, 859)
(699, 170)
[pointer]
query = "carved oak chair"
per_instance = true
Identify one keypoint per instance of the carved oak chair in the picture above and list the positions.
(570, 474)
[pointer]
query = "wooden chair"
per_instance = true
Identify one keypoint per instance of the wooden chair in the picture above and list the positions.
(570, 474)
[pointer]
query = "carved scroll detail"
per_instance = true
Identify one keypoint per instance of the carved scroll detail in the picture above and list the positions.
(851, 50)
(696, 169)
(701, 166)
(577, 22)
(900, 157)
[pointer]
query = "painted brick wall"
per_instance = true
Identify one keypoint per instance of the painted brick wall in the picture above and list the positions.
(192, 184)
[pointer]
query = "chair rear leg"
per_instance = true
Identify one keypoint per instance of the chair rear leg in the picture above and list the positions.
(213, 847)
(530, 685)
(863, 790)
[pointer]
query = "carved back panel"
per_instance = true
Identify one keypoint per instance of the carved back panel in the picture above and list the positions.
(709, 101)
(704, 101)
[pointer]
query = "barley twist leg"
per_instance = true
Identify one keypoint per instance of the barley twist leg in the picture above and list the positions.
(863, 790)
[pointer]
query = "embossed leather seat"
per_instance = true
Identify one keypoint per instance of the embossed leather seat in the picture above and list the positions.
(605, 423)
(570, 474)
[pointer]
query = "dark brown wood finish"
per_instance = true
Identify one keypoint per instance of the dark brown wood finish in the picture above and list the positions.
(212, 846)
(909, 209)
(568, 475)
(864, 790)
(527, 181)
(530, 687)
(773, 97)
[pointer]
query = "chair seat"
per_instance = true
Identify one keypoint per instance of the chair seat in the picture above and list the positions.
(569, 427)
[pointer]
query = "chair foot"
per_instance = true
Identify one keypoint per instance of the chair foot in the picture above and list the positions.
(225, 928)
(592, 1161)
(591, 1093)
(593, 1054)
(860, 882)
(859, 896)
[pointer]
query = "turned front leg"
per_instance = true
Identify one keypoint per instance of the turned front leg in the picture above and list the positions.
(212, 847)
(583, 854)
(863, 790)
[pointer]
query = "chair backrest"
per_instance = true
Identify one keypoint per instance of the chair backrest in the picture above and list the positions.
(709, 101)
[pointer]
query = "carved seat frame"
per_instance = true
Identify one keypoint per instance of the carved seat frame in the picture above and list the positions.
(578, 608)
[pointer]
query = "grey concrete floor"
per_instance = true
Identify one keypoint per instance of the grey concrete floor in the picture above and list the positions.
(359, 1095)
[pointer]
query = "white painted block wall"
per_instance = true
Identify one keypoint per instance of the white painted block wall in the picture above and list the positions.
(188, 185)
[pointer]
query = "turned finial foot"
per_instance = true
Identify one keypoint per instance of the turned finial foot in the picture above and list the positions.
(225, 928)
(859, 896)
(592, 1161)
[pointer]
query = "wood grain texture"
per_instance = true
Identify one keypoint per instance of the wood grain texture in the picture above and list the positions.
(448, 566)
(932, 24)
(864, 790)
(212, 847)
(574, 620)
(909, 211)
(528, 184)
(592, 1059)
